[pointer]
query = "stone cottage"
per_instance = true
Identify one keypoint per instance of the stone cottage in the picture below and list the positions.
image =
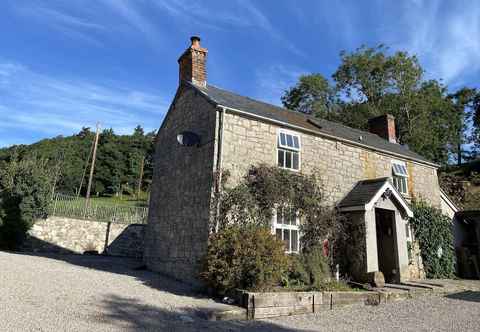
(368, 175)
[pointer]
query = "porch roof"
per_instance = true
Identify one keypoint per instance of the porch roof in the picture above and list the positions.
(367, 192)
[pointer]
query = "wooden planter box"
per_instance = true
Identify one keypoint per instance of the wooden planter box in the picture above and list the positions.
(274, 304)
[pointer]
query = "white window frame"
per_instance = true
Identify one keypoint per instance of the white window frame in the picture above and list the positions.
(286, 148)
(289, 227)
(399, 176)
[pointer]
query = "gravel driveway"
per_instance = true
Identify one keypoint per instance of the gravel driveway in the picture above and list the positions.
(88, 293)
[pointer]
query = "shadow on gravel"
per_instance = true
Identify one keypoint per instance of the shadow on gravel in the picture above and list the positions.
(127, 266)
(133, 315)
(470, 296)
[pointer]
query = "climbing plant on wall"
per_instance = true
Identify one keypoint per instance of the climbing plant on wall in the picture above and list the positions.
(265, 188)
(433, 231)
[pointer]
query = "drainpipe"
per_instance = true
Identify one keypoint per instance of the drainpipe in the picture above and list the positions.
(218, 185)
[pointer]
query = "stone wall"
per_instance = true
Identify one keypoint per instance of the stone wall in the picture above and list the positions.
(339, 165)
(179, 213)
(64, 235)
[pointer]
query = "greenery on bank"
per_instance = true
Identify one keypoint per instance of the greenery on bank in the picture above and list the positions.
(25, 194)
(117, 168)
(462, 184)
(434, 234)
(243, 253)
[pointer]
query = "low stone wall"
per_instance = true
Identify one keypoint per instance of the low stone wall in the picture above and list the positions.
(274, 304)
(64, 235)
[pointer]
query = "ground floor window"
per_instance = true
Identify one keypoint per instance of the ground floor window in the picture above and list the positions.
(286, 227)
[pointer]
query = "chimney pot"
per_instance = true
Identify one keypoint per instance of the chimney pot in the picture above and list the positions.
(383, 126)
(195, 41)
(193, 63)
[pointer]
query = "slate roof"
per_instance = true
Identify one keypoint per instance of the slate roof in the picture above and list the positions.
(363, 192)
(258, 108)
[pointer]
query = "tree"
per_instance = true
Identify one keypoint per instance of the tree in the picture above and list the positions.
(119, 159)
(475, 136)
(25, 192)
(371, 82)
(464, 102)
(312, 95)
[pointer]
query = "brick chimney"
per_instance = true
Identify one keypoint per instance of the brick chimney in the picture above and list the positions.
(193, 63)
(383, 126)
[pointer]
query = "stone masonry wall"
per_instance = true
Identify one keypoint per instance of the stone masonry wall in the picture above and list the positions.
(64, 235)
(339, 165)
(179, 212)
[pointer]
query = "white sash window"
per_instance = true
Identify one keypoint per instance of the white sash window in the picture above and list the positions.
(286, 228)
(400, 177)
(288, 150)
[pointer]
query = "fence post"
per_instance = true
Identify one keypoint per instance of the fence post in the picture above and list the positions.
(55, 204)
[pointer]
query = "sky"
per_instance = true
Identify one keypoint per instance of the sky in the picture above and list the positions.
(65, 65)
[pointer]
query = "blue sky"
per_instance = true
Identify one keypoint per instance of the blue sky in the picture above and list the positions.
(68, 64)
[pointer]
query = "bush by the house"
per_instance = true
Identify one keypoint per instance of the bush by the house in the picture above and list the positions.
(244, 257)
(308, 270)
(433, 231)
(25, 192)
(243, 217)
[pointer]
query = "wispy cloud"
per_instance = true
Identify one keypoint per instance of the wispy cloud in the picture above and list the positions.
(445, 36)
(72, 25)
(133, 15)
(86, 22)
(49, 106)
(273, 81)
(227, 15)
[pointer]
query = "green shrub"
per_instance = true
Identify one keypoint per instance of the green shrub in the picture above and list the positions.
(25, 192)
(244, 257)
(309, 270)
(434, 234)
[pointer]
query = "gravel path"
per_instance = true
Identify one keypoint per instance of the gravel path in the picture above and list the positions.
(82, 293)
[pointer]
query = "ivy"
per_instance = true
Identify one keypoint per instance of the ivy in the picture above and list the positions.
(433, 231)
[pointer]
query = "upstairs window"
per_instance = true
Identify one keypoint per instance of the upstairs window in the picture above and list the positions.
(288, 154)
(400, 177)
(286, 228)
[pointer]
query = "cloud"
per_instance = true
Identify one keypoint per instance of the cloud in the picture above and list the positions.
(134, 17)
(236, 14)
(71, 25)
(445, 37)
(48, 106)
(272, 82)
(86, 22)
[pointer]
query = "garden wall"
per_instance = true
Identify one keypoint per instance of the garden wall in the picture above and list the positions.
(65, 235)
(275, 304)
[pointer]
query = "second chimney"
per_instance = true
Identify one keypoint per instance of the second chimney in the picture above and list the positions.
(193, 63)
(383, 126)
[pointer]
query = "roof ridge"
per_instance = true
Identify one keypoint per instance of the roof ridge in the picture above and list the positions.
(333, 129)
(307, 116)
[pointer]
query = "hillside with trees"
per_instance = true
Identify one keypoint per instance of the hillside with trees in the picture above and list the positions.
(120, 161)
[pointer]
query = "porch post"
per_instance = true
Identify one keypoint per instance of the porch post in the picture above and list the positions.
(371, 241)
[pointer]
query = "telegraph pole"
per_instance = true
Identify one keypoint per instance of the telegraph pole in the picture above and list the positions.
(140, 178)
(92, 168)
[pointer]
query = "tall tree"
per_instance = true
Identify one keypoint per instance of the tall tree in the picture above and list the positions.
(465, 101)
(370, 82)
